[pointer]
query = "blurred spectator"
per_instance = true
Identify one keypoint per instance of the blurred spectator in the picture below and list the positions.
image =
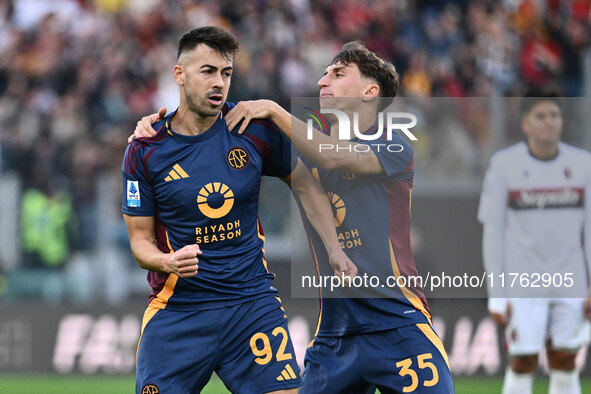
(417, 81)
(46, 221)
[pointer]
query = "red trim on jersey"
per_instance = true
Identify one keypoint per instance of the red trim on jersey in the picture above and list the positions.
(157, 137)
(399, 232)
(131, 159)
(263, 147)
(145, 163)
(225, 109)
(267, 124)
(316, 267)
(411, 165)
(157, 280)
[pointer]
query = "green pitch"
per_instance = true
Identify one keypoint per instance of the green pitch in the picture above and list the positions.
(50, 384)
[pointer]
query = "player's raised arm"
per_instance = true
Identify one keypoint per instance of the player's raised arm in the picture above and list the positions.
(346, 158)
(319, 212)
(142, 240)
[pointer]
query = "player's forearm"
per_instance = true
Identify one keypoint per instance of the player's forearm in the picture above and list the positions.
(319, 213)
(149, 257)
(281, 118)
(493, 255)
(297, 131)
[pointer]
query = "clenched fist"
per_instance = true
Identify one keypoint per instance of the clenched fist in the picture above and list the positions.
(184, 262)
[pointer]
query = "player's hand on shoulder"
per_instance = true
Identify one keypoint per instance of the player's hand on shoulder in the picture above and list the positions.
(184, 262)
(248, 110)
(144, 127)
(342, 264)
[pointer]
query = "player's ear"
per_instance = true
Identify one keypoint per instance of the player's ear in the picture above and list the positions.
(524, 125)
(179, 74)
(371, 91)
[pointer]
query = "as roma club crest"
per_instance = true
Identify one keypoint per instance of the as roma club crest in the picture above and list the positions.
(237, 158)
(150, 389)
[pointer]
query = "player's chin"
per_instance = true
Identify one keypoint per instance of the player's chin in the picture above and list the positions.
(212, 110)
(327, 102)
(209, 108)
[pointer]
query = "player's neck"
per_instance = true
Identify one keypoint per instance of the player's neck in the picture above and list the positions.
(542, 150)
(187, 122)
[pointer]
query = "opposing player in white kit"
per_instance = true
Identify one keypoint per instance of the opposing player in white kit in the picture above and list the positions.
(535, 204)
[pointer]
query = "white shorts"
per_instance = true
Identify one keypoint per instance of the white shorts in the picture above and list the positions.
(536, 322)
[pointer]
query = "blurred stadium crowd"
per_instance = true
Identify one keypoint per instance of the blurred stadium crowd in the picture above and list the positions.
(75, 76)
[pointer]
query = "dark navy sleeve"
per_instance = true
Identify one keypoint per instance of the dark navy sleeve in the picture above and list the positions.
(279, 157)
(138, 194)
(396, 156)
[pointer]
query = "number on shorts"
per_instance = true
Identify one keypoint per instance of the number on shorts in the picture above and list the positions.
(427, 364)
(404, 366)
(281, 355)
(265, 354)
(405, 369)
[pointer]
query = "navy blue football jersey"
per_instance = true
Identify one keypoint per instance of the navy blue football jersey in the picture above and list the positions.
(204, 190)
(372, 218)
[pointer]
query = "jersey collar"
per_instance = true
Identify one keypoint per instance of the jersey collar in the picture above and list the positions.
(219, 125)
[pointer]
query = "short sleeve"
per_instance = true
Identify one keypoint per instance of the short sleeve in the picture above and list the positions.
(279, 157)
(396, 157)
(138, 194)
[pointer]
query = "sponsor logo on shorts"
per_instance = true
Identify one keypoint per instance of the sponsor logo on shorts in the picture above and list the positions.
(150, 389)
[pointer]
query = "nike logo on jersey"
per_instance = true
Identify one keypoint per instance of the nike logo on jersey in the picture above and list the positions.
(286, 374)
(176, 173)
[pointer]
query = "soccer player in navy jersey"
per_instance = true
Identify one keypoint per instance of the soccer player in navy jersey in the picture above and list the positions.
(190, 203)
(380, 337)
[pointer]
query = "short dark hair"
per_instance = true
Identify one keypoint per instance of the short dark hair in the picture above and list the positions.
(371, 66)
(536, 95)
(214, 37)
